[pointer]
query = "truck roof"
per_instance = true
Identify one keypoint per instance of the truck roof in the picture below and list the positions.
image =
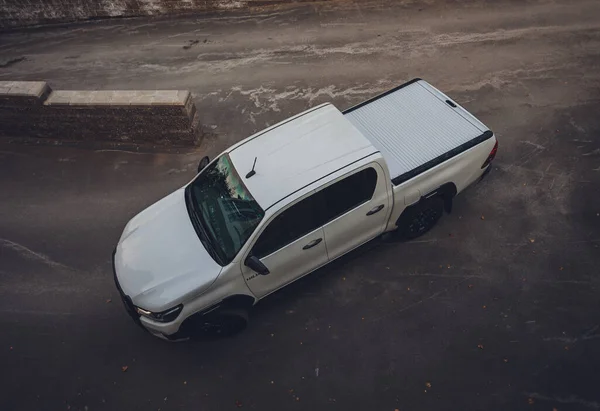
(297, 152)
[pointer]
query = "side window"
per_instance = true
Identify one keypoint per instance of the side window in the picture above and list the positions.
(287, 227)
(345, 195)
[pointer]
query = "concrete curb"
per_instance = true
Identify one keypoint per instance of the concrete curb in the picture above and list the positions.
(32, 109)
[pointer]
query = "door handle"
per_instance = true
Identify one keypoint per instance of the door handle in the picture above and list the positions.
(312, 244)
(375, 210)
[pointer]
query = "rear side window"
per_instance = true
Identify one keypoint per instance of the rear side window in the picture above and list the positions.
(287, 227)
(345, 195)
(315, 211)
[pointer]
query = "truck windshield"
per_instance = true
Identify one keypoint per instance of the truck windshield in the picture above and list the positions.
(222, 210)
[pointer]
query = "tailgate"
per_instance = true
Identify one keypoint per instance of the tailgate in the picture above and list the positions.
(415, 127)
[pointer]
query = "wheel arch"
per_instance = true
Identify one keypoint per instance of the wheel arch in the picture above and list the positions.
(238, 301)
(447, 192)
(233, 301)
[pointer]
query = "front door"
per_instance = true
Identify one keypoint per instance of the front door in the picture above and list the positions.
(291, 245)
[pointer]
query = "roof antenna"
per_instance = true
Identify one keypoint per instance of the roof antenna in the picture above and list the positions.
(252, 172)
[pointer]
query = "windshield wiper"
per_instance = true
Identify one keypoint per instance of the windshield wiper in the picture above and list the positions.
(200, 226)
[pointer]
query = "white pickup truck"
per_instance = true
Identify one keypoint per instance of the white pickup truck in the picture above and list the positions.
(292, 198)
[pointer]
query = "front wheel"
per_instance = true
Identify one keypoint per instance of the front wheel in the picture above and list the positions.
(418, 219)
(224, 323)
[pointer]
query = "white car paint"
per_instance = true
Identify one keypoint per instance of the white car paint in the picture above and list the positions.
(355, 228)
(297, 152)
(160, 261)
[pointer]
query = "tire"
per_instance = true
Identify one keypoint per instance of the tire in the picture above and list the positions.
(224, 323)
(418, 219)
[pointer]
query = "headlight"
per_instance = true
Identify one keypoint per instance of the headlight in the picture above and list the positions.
(163, 317)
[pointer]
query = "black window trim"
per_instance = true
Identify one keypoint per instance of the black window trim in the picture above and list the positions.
(267, 223)
(196, 218)
(369, 165)
(396, 181)
(308, 195)
(377, 97)
(319, 179)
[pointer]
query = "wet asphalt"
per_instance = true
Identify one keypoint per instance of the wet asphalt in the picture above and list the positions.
(495, 309)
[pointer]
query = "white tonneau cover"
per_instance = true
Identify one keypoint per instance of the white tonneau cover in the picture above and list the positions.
(415, 126)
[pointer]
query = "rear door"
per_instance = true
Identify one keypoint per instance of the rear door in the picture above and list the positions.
(354, 209)
(291, 245)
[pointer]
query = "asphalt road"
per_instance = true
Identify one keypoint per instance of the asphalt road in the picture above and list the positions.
(496, 309)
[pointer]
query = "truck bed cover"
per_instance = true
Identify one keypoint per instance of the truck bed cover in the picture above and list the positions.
(416, 127)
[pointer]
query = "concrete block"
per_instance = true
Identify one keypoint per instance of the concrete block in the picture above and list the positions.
(102, 98)
(168, 97)
(23, 93)
(60, 98)
(140, 116)
(141, 101)
(183, 95)
(122, 98)
(78, 98)
(5, 86)
(27, 88)
(147, 93)
(142, 98)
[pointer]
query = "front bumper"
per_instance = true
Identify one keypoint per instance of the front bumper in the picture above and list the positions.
(179, 329)
(161, 330)
(129, 307)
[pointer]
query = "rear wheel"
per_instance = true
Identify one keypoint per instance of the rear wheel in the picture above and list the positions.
(420, 218)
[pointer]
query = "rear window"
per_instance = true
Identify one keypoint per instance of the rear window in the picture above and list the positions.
(344, 195)
(316, 211)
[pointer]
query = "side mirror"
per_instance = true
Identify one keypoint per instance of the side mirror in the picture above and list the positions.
(203, 163)
(255, 264)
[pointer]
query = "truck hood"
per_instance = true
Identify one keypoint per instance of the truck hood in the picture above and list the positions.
(160, 260)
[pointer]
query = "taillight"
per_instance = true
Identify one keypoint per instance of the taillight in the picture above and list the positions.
(491, 156)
